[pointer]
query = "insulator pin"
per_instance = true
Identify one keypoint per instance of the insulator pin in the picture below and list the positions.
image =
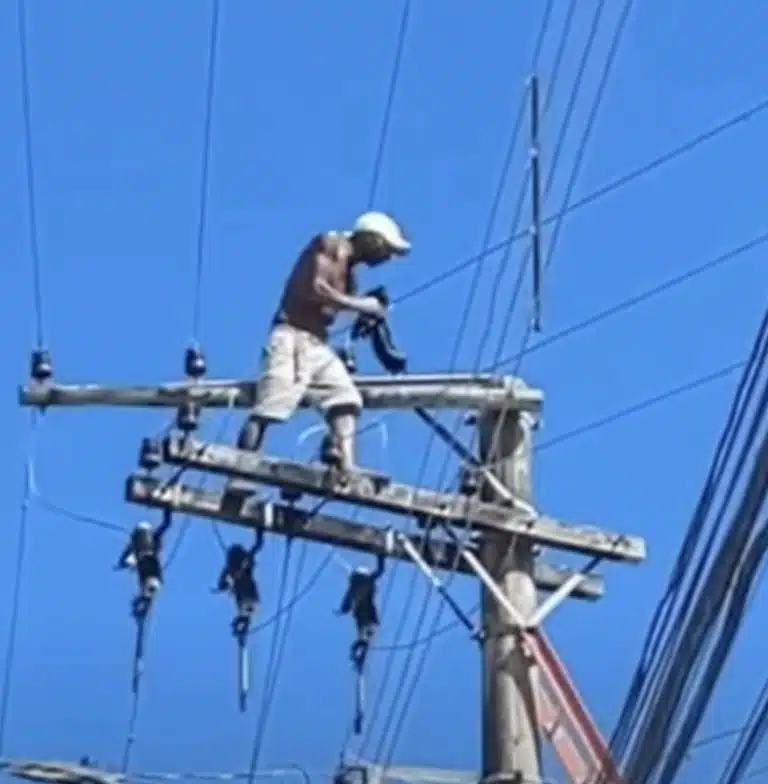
(150, 454)
(40, 366)
(194, 363)
(188, 418)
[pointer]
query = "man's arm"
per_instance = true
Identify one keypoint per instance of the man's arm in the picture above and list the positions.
(322, 269)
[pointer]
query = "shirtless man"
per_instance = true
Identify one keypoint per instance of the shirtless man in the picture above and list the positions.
(297, 353)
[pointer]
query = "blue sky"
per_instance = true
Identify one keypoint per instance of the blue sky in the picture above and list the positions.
(118, 97)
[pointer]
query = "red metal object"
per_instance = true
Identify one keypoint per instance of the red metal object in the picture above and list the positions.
(565, 721)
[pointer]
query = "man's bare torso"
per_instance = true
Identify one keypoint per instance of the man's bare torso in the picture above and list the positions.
(299, 305)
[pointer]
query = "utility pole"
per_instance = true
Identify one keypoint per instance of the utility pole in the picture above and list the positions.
(511, 747)
(527, 691)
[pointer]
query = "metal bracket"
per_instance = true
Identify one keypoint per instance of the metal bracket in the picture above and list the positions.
(543, 610)
(415, 555)
(557, 597)
(498, 486)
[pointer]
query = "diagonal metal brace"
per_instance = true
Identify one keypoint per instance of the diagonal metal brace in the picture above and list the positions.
(465, 454)
(557, 597)
(415, 555)
(543, 610)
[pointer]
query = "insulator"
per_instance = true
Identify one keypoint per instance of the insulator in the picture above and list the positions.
(194, 363)
(187, 417)
(40, 366)
(289, 495)
(470, 483)
(150, 454)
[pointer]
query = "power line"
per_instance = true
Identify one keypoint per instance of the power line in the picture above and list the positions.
(749, 738)
(10, 653)
(643, 404)
(633, 301)
(613, 50)
(620, 307)
(96, 522)
(107, 525)
(286, 609)
(273, 664)
(21, 548)
(34, 245)
(676, 645)
(463, 323)
(130, 735)
(636, 408)
(496, 286)
(580, 153)
(596, 195)
(202, 217)
(652, 658)
(390, 101)
(298, 595)
(590, 126)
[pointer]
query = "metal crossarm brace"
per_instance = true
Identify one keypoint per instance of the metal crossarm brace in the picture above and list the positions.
(542, 611)
(439, 390)
(438, 585)
(399, 498)
(327, 529)
(465, 454)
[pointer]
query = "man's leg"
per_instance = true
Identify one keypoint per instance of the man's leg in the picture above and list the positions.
(252, 433)
(278, 393)
(342, 424)
(279, 389)
(341, 403)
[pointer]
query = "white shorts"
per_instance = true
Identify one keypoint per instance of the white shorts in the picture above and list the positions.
(294, 361)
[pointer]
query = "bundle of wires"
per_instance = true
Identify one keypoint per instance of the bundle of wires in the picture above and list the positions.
(698, 618)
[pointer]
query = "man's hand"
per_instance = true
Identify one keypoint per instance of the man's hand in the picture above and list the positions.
(371, 306)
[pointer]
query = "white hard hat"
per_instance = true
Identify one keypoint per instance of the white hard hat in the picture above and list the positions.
(144, 526)
(381, 224)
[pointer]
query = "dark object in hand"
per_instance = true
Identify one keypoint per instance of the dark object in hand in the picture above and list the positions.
(380, 335)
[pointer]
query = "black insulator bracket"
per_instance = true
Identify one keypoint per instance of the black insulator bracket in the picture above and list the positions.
(194, 363)
(40, 366)
(188, 417)
(150, 454)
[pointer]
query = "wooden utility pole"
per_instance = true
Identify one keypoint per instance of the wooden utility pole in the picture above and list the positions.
(511, 748)
(511, 745)
(522, 701)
